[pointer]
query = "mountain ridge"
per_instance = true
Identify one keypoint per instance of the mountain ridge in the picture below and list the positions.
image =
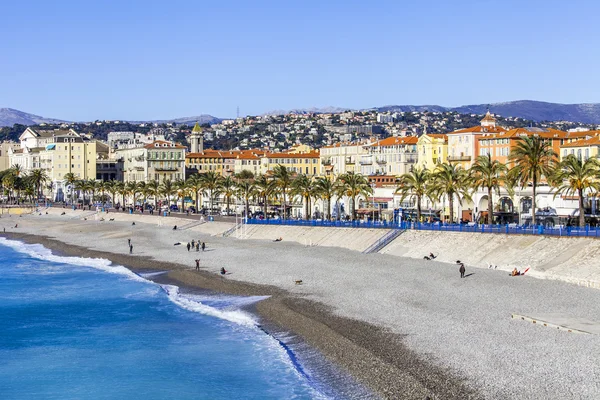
(587, 113)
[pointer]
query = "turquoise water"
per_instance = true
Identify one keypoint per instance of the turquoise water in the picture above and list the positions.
(73, 328)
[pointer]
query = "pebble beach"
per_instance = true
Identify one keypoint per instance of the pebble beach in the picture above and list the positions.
(404, 327)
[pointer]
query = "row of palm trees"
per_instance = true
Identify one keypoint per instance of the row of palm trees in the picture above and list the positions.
(532, 162)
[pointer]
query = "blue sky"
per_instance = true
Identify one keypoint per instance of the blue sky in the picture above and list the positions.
(84, 60)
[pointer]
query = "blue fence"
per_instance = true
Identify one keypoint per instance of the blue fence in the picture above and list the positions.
(570, 231)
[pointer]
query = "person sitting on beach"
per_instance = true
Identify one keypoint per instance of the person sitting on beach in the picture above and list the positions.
(16, 225)
(515, 272)
(426, 258)
(431, 256)
(175, 228)
(279, 239)
(223, 271)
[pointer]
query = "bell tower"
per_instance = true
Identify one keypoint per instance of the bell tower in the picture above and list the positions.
(196, 139)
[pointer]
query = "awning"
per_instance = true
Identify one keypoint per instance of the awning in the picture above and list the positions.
(381, 199)
(50, 146)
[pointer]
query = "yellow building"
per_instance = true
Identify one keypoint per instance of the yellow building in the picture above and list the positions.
(222, 162)
(432, 149)
(584, 148)
(296, 161)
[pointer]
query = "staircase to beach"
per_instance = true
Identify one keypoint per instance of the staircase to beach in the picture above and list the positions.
(384, 241)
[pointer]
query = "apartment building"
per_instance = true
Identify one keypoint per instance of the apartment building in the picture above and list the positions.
(394, 156)
(432, 150)
(156, 161)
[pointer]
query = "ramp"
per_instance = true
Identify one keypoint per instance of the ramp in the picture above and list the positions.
(563, 322)
(384, 241)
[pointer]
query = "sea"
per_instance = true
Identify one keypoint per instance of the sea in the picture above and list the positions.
(81, 328)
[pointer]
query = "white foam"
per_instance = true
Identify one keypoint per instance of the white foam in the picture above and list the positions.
(235, 316)
(40, 252)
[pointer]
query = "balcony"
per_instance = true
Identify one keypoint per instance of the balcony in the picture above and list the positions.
(165, 168)
(459, 158)
(381, 161)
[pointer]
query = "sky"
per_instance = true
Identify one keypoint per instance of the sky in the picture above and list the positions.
(142, 60)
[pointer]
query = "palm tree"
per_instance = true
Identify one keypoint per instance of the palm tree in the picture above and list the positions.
(112, 187)
(245, 175)
(132, 189)
(245, 190)
(283, 181)
(167, 189)
(450, 180)
(70, 178)
(534, 159)
(9, 183)
(265, 189)
(211, 184)
(152, 188)
(415, 183)
(122, 190)
(195, 184)
(575, 177)
(38, 178)
(353, 186)
(182, 190)
(326, 189)
(228, 190)
(489, 174)
(303, 186)
(81, 187)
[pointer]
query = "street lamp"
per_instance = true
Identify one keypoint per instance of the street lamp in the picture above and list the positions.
(373, 187)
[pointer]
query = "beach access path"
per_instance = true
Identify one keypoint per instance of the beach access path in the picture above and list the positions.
(461, 325)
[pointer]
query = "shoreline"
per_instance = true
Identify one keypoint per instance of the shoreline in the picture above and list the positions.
(373, 356)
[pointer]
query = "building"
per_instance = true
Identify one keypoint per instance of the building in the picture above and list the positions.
(587, 147)
(196, 139)
(499, 145)
(222, 162)
(343, 157)
(432, 150)
(4, 154)
(121, 140)
(156, 161)
(463, 144)
(390, 156)
(59, 153)
(296, 161)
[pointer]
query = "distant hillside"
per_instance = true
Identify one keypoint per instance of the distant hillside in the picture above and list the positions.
(588, 113)
(311, 110)
(10, 116)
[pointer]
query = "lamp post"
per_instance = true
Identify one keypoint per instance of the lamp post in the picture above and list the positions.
(373, 187)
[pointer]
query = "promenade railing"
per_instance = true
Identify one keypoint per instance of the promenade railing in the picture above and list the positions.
(568, 231)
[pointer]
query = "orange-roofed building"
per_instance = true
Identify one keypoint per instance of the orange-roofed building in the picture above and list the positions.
(296, 161)
(394, 156)
(586, 146)
(343, 157)
(249, 160)
(499, 145)
(463, 144)
(220, 161)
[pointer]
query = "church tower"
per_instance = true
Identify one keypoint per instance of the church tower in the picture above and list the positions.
(488, 120)
(196, 139)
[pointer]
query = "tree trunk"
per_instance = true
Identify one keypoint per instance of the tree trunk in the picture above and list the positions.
(451, 206)
(490, 207)
(581, 210)
(418, 208)
(306, 206)
(353, 208)
(533, 221)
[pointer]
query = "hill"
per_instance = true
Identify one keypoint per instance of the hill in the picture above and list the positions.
(10, 116)
(588, 113)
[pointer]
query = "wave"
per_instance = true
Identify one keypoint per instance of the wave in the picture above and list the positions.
(223, 307)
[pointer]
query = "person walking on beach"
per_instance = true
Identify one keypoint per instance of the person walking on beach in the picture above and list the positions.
(198, 246)
(462, 270)
(197, 265)
(188, 246)
(193, 243)
(130, 249)
(128, 242)
(203, 246)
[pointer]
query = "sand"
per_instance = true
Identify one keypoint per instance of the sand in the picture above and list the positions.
(405, 327)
